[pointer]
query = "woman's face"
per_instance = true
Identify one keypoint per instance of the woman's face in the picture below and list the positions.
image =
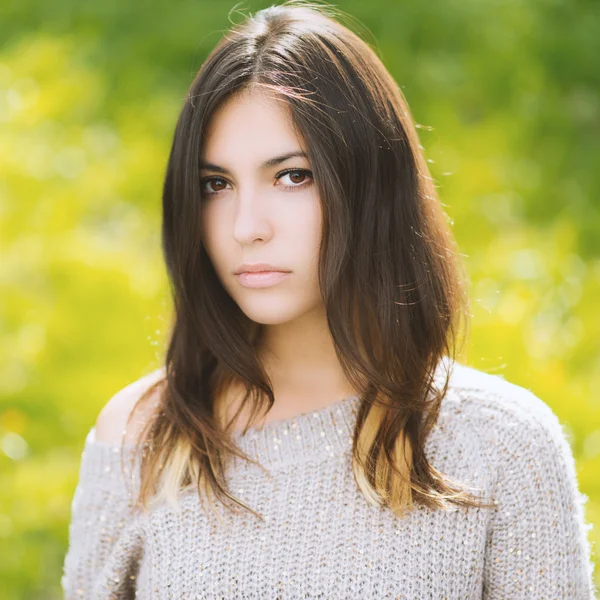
(256, 212)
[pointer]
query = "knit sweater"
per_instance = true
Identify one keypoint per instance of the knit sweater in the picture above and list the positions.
(322, 539)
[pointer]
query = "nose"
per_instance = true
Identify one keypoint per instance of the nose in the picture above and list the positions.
(251, 220)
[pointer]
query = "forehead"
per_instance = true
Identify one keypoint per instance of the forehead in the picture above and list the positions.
(250, 123)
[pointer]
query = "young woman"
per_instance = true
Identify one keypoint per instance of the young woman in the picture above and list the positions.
(310, 434)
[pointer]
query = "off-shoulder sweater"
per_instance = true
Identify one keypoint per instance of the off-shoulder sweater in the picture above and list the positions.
(321, 538)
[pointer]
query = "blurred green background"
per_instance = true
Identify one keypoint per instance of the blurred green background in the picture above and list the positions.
(506, 95)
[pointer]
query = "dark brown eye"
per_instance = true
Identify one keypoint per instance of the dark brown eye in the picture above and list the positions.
(218, 187)
(295, 174)
(208, 186)
(304, 175)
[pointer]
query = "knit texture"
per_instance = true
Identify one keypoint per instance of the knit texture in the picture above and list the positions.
(322, 539)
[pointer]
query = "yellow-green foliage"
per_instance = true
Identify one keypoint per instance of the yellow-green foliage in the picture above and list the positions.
(506, 97)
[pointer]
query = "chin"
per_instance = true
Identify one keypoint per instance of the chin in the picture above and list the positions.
(276, 312)
(271, 317)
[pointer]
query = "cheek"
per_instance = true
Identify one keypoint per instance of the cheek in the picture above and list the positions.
(313, 225)
(301, 236)
(211, 238)
(303, 223)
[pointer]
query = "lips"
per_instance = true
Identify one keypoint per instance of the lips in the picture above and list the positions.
(261, 279)
(259, 267)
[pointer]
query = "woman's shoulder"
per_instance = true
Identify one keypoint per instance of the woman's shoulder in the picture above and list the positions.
(112, 425)
(539, 506)
(508, 419)
(491, 398)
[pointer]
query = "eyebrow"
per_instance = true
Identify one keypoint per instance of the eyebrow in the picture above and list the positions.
(265, 165)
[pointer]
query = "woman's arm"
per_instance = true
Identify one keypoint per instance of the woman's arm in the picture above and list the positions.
(104, 534)
(101, 511)
(537, 543)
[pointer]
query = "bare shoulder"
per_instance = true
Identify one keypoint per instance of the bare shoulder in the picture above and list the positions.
(112, 419)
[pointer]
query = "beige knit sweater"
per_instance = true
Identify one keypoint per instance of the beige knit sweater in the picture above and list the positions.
(322, 539)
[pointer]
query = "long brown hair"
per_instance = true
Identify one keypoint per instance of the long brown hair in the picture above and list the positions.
(393, 285)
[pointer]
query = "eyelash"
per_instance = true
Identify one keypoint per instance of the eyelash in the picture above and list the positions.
(290, 188)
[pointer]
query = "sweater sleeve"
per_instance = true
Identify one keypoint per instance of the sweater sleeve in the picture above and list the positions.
(537, 545)
(104, 541)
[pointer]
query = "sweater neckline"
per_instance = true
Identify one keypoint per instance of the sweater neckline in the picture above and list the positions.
(312, 435)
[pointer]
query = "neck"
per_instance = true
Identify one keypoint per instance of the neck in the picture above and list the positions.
(300, 360)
